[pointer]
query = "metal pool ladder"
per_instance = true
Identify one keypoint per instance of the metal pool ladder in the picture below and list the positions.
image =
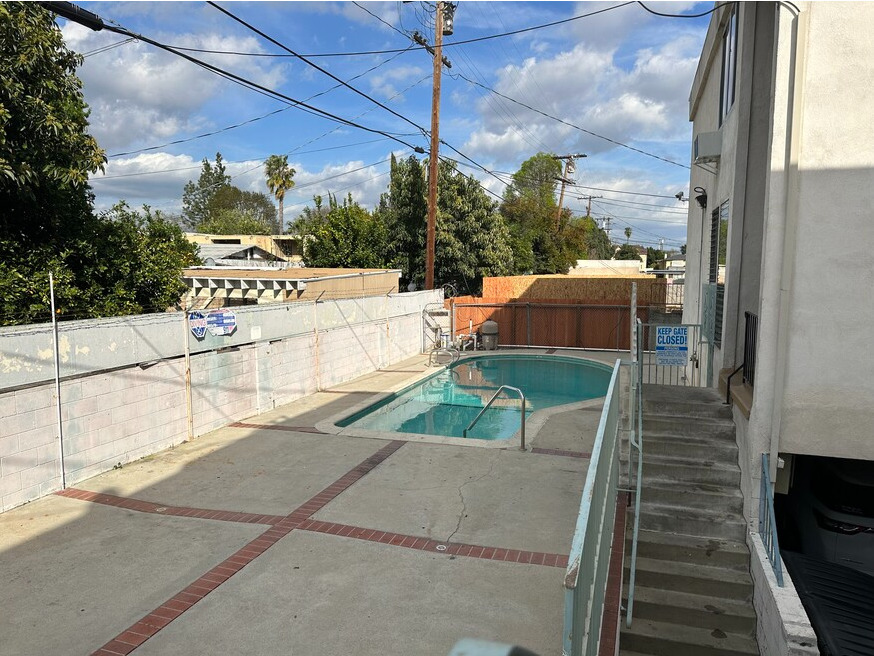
(453, 353)
(491, 400)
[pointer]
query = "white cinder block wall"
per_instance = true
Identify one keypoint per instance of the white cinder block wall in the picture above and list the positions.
(118, 407)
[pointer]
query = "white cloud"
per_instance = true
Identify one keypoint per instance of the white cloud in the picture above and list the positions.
(588, 88)
(140, 95)
(384, 83)
(159, 178)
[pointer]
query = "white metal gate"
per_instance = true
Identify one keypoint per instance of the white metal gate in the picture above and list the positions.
(672, 354)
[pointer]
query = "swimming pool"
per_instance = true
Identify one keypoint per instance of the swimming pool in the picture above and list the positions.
(446, 403)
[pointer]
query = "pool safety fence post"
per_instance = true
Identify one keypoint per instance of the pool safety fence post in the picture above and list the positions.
(588, 564)
(316, 347)
(186, 344)
(527, 329)
(57, 356)
(637, 403)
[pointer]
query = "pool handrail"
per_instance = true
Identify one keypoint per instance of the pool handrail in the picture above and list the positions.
(453, 353)
(491, 400)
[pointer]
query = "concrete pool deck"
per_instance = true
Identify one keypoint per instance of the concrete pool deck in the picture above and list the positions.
(268, 536)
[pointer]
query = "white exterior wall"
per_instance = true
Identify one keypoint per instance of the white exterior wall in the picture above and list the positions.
(114, 416)
(827, 377)
(782, 628)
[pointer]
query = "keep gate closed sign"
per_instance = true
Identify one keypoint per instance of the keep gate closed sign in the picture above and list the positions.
(672, 346)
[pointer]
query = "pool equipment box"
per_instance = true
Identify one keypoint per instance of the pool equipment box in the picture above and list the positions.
(672, 346)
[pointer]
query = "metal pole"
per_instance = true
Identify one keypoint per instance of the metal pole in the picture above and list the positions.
(189, 406)
(435, 147)
(316, 330)
(58, 380)
(522, 430)
(528, 321)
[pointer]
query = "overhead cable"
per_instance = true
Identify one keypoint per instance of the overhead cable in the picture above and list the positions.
(263, 35)
(569, 124)
(391, 50)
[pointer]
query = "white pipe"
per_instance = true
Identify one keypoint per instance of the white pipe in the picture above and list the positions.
(58, 380)
(189, 419)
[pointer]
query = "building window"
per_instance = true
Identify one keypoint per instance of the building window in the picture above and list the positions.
(729, 65)
(716, 273)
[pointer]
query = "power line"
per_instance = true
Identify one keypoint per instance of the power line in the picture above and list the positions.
(110, 46)
(391, 50)
(569, 124)
(316, 66)
(380, 19)
(303, 106)
(252, 120)
(630, 204)
(193, 167)
(705, 13)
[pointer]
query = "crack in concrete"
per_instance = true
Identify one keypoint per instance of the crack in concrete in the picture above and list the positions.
(463, 512)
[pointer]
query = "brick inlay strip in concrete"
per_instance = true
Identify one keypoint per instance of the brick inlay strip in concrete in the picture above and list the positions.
(613, 596)
(561, 452)
(278, 427)
(131, 638)
(436, 546)
(173, 511)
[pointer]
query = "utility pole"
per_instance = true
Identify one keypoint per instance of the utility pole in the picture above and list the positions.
(435, 147)
(589, 203)
(569, 169)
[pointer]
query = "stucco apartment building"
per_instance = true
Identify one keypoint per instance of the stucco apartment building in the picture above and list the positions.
(783, 153)
(783, 174)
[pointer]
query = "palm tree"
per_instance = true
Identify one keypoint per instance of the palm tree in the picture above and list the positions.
(280, 178)
(627, 232)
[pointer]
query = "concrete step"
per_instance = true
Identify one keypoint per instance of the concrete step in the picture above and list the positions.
(700, 522)
(689, 447)
(681, 470)
(652, 637)
(714, 410)
(679, 394)
(691, 426)
(692, 495)
(702, 611)
(657, 545)
(714, 582)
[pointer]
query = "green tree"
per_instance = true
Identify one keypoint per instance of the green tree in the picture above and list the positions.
(655, 258)
(349, 237)
(280, 179)
(472, 240)
(627, 252)
(46, 153)
(404, 211)
(232, 211)
(229, 222)
(544, 240)
(627, 234)
(198, 196)
(151, 252)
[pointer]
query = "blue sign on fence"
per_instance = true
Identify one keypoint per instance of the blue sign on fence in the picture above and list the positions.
(221, 322)
(672, 346)
(197, 323)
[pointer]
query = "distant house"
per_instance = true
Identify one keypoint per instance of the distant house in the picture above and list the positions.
(675, 262)
(235, 255)
(288, 248)
(215, 287)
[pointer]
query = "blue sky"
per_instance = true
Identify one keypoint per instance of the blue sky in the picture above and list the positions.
(623, 74)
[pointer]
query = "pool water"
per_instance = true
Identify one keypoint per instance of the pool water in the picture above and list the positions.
(446, 403)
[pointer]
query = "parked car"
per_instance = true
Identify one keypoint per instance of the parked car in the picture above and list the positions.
(831, 505)
(839, 602)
